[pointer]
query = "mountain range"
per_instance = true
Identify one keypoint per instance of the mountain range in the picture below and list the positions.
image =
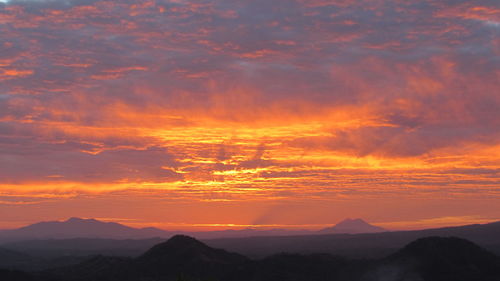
(185, 258)
(364, 245)
(91, 228)
(80, 228)
(372, 245)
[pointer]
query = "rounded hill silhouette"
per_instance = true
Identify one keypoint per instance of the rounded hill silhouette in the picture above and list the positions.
(184, 249)
(445, 247)
(447, 258)
(185, 256)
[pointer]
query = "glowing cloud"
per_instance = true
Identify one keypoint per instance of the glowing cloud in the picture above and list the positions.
(227, 109)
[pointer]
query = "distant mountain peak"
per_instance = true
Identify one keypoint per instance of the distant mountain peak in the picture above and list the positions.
(353, 221)
(77, 220)
(75, 227)
(353, 226)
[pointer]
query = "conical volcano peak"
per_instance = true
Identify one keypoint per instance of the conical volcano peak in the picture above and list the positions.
(80, 220)
(353, 226)
(349, 220)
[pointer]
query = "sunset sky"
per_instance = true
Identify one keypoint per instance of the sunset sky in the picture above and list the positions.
(215, 114)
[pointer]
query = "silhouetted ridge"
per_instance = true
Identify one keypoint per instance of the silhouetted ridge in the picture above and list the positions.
(6, 254)
(185, 256)
(13, 259)
(185, 249)
(79, 228)
(448, 258)
(443, 247)
(175, 245)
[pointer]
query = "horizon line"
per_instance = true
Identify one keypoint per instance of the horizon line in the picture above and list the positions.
(211, 227)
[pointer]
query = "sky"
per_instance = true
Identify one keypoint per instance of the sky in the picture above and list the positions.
(214, 114)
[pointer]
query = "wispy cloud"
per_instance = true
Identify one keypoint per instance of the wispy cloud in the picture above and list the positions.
(221, 102)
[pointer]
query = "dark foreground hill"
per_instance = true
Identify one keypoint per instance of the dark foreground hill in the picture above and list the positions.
(185, 258)
(179, 256)
(183, 255)
(12, 260)
(14, 275)
(439, 259)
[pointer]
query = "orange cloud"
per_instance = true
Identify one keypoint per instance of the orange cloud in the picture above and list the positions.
(329, 108)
